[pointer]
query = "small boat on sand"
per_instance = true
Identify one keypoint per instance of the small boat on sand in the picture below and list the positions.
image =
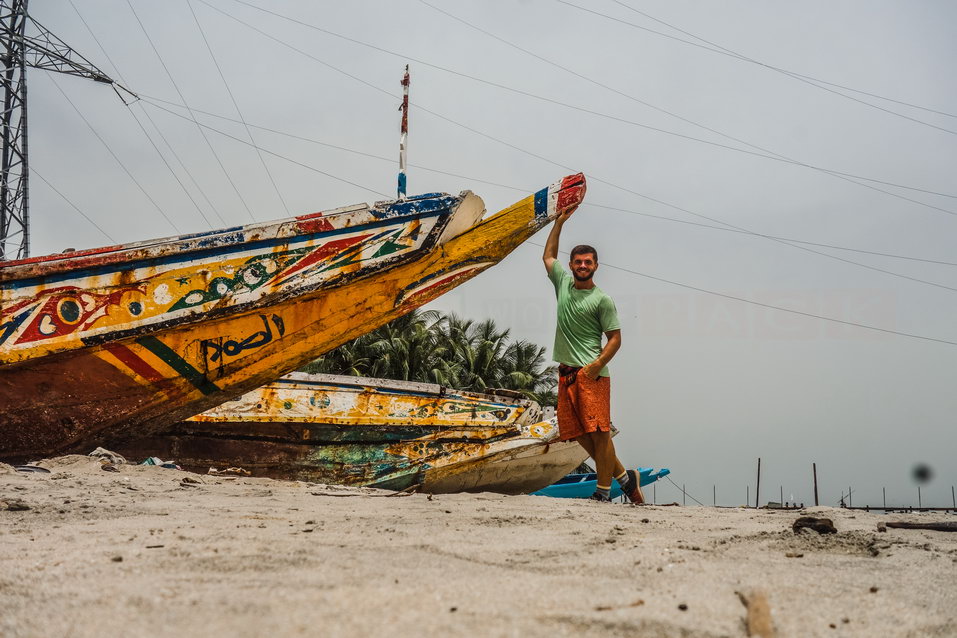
(584, 485)
(373, 432)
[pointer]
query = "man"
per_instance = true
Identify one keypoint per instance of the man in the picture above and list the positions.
(584, 385)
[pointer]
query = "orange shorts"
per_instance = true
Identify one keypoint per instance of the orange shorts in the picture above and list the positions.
(584, 405)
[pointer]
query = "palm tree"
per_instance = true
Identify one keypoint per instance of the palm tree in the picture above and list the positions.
(526, 370)
(448, 350)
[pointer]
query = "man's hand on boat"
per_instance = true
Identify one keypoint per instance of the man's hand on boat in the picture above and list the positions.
(563, 217)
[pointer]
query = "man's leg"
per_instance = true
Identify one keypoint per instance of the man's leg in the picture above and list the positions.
(604, 455)
(586, 442)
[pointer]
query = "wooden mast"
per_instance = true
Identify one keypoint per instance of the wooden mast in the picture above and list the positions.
(404, 136)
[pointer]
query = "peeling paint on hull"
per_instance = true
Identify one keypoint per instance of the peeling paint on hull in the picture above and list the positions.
(72, 396)
(373, 432)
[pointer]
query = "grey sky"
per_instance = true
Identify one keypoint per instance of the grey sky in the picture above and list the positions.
(703, 384)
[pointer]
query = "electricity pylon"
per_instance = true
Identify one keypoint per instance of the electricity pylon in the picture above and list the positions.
(17, 52)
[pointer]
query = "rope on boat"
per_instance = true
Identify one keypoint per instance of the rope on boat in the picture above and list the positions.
(685, 492)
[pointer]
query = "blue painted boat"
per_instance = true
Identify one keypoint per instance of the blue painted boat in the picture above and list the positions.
(583, 485)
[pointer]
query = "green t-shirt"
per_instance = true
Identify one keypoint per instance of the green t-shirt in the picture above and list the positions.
(583, 317)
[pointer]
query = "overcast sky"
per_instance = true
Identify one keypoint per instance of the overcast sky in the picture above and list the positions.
(705, 383)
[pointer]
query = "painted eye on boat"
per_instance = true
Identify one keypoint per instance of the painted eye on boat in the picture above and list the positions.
(254, 274)
(68, 309)
(135, 308)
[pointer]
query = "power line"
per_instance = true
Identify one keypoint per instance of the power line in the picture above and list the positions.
(798, 247)
(765, 154)
(116, 69)
(690, 212)
(170, 168)
(183, 98)
(660, 279)
(716, 48)
(710, 292)
(299, 51)
(776, 155)
(786, 239)
(266, 150)
(566, 167)
(829, 256)
(748, 59)
(33, 171)
(525, 189)
(770, 306)
(189, 174)
(685, 492)
(236, 106)
(115, 157)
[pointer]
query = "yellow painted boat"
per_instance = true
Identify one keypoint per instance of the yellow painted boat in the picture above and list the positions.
(373, 432)
(93, 376)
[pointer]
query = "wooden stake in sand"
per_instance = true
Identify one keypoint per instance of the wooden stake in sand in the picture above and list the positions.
(759, 614)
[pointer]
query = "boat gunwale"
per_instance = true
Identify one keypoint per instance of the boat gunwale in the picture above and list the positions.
(376, 383)
(148, 261)
(249, 307)
(498, 434)
(107, 257)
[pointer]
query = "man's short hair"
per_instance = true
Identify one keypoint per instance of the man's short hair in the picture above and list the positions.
(584, 249)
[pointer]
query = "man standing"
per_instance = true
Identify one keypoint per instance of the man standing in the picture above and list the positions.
(585, 312)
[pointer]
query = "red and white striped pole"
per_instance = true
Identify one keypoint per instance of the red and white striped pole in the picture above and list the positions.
(404, 138)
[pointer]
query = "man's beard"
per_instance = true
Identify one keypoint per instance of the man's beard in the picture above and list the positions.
(583, 277)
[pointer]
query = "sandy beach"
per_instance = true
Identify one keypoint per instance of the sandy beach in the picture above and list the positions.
(154, 551)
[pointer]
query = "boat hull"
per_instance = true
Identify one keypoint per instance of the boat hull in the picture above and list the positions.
(106, 393)
(528, 467)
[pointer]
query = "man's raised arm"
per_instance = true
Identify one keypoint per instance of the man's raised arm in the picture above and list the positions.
(551, 244)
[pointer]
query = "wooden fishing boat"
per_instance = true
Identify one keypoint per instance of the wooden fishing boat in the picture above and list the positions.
(373, 432)
(102, 345)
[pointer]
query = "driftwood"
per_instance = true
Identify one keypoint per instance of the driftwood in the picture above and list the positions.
(759, 614)
(937, 527)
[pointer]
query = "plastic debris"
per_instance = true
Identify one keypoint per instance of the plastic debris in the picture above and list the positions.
(31, 468)
(155, 460)
(108, 456)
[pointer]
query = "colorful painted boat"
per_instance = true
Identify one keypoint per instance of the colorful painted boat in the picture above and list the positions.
(584, 485)
(373, 432)
(98, 346)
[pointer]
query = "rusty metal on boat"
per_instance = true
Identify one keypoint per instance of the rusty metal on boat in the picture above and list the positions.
(373, 432)
(106, 345)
